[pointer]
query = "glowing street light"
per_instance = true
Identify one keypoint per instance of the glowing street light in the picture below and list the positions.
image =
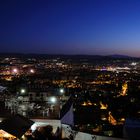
(15, 70)
(22, 91)
(53, 99)
(33, 127)
(61, 90)
(32, 71)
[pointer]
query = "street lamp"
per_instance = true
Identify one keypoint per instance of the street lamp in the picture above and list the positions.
(53, 99)
(22, 91)
(61, 90)
(32, 71)
(15, 70)
(33, 127)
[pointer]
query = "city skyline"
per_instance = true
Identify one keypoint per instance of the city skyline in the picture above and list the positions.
(99, 27)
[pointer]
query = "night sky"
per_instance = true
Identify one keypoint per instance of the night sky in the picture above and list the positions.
(94, 27)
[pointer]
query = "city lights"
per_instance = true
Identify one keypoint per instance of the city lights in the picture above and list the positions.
(133, 64)
(104, 94)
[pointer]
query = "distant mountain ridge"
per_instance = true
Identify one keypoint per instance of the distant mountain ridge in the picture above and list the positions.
(120, 56)
(80, 56)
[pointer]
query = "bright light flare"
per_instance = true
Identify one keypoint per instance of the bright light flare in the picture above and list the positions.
(62, 90)
(22, 90)
(53, 99)
(32, 71)
(15, 70)
(33, 127)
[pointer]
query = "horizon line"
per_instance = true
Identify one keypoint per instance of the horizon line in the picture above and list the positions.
(111, 55)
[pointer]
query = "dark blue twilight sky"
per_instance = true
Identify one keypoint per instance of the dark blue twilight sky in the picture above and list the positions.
(70, 26)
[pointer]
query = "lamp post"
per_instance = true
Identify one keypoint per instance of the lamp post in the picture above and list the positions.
(61, 94)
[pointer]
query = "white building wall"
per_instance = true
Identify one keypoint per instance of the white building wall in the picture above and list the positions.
(66, 131)
(85, 136)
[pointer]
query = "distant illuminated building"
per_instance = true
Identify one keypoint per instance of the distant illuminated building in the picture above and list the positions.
(111, 119)
(88, 103)
(103, 106)
(84, 104)
(133, 64)
(124, 89)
